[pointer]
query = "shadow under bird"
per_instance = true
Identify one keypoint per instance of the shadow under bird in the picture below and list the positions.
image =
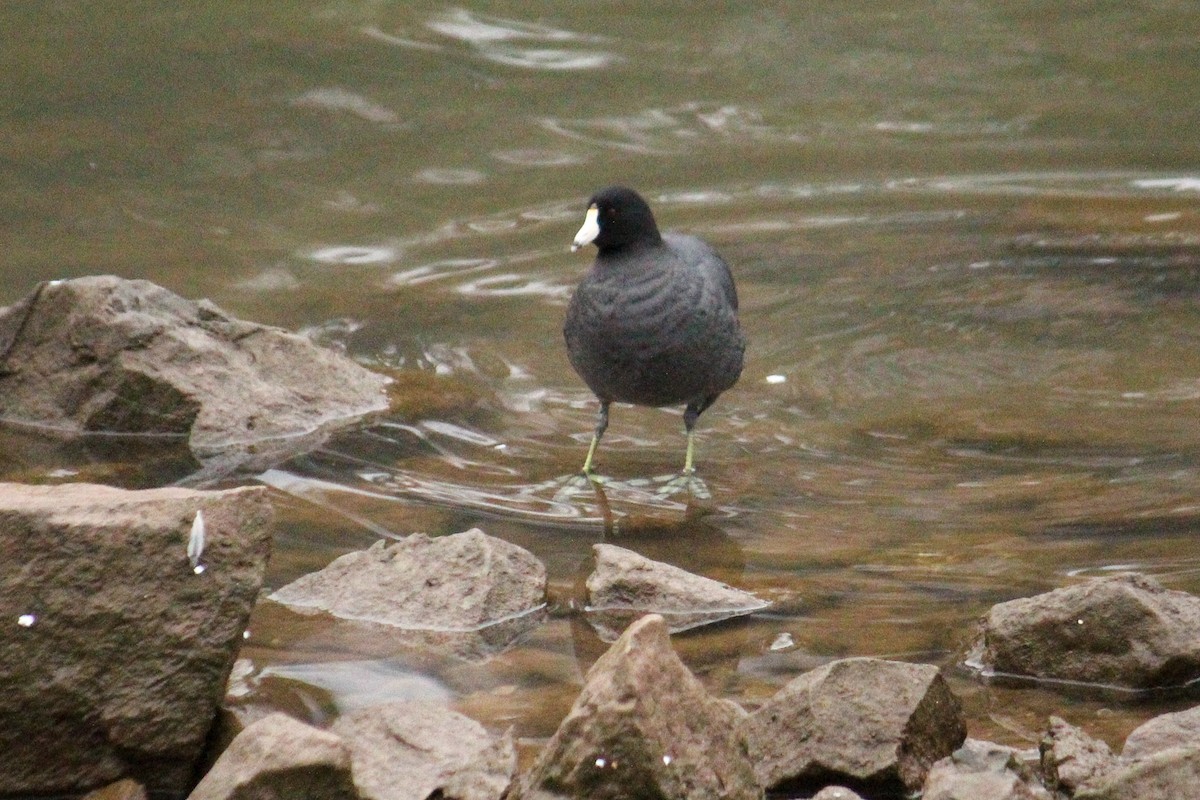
(654, 322)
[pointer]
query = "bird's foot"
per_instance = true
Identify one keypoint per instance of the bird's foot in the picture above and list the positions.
(591, 476)
(686, 481)
(580, 481)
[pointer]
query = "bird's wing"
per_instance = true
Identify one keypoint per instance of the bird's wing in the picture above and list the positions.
(700, 255)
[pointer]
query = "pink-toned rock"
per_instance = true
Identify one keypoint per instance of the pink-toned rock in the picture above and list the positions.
(1070, 758)
(1180, 729)
(626, 585)
(1124, 630)
(102, 353)
(468, 593)
(982, 771)
(279, 757)
(859, 721)
(644, 726)
(413, 751)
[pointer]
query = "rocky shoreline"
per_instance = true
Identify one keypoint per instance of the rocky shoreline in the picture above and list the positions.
(127, 610)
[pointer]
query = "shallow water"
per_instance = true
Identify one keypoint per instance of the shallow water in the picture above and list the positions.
(966, 239)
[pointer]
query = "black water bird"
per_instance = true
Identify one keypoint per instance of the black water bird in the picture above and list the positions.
(654, 322)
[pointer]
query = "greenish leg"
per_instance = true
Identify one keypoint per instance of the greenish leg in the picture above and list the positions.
(601, 426)
(690, 415)
(688, 467)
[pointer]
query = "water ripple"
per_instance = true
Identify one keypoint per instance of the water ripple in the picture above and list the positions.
(504, 41)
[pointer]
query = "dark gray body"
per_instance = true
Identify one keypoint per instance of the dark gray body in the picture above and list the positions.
(657, 325)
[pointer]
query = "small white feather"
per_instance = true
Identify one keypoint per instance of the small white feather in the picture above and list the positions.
(195, 547)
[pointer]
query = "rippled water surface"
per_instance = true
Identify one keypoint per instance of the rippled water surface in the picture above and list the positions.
(966, 238)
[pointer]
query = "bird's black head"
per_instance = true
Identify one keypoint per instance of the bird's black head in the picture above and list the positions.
(617, 217)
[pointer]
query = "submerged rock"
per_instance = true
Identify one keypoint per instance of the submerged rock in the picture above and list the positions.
(864, 722)
(106, 354)
(644, 726)
(468, 592)
(119, 645)
(1125, 630)
(982, 771)
(626, 585)
(279, 757)
(413, 751)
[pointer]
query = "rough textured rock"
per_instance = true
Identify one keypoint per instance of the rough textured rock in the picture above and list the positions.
(1125, 630)
(107, 354)
(626, 585)
(982, 771)
(120, 650)
(1070, 758)
(448, 591)
(411, 751)
(279, 757)
(863, 722)
(644, 726)
(1181, 729)
(1171, 774)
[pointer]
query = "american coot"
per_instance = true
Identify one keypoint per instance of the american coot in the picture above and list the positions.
(654, 322)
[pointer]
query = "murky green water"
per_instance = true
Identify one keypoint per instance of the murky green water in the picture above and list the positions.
(966, 237)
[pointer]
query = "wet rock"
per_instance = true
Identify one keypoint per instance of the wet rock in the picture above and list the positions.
(1160, 761)
(116, 650)
(412, 751)
(1070, 758)
(1125, 630)
(864, 722)
(626, 585)
(1170, 774)
(280, 757)
(644, 726)
(468, 592)
(106, 354)
(124, 789)
(1181, 729)
(982, 771)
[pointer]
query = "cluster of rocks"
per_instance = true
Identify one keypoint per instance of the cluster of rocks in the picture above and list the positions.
(642, 726)
(126, 611)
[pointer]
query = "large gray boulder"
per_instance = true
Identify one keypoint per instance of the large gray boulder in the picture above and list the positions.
(864, 722)
(279, 757)
(106, 354)
(412, 751)
(467, 593)
(119, 645)
(625, 585)
(1124, 630)
(644, 726)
